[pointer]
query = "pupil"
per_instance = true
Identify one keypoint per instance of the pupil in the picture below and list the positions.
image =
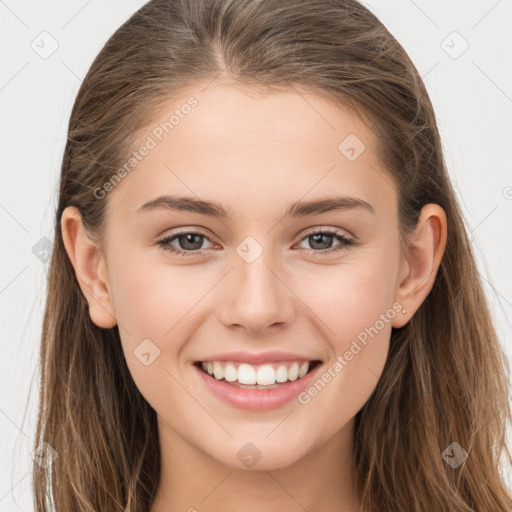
(319, 237)
(189, 239)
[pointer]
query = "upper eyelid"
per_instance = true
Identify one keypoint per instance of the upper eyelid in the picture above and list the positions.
(330, 230)
(194, 231)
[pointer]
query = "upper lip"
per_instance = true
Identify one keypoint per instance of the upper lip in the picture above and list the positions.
(258, 358)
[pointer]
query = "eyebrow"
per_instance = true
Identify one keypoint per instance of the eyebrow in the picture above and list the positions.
(216, 210)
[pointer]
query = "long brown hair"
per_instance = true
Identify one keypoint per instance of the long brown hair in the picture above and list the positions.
(445, 379)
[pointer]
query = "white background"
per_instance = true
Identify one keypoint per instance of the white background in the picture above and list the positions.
(472, 95)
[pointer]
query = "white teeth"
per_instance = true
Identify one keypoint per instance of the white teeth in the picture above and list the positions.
(218, 371)
(230, 373)
(264, 375)
(303, 370)
(281, 373)
(246, 374)
(293, 372)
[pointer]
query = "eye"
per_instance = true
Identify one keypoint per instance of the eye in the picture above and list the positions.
(322, 240)
(190, 242)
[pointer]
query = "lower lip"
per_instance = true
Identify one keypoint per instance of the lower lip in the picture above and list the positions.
(257, 399)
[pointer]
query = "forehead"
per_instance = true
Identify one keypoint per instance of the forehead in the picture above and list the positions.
(254, 151)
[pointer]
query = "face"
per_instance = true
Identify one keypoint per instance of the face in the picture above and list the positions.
(276, 277)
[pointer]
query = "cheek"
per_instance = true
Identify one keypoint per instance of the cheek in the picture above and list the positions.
(150, 308)
(353, 307)
(149, 295)
(161, 302)
(141, 302)
(157, 301)
(352, 296)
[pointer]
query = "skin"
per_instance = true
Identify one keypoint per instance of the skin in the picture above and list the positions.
(255, 154)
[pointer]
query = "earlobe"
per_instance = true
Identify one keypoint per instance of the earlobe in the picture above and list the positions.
(421, 261)
(88, 261)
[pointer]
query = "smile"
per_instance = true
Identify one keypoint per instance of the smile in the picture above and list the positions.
(263, 375)
(256, 387)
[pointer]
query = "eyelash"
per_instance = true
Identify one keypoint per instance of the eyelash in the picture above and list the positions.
(346, 243)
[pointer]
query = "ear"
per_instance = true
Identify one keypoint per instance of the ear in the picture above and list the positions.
(89, 263)
(420, 262)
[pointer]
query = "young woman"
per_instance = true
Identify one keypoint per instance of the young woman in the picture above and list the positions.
(262, 295)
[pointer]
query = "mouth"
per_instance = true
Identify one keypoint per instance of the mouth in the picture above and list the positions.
(257, 377)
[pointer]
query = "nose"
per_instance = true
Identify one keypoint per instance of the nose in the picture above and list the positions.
(258, 297)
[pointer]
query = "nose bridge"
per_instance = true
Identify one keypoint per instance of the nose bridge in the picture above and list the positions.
(258, 298)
